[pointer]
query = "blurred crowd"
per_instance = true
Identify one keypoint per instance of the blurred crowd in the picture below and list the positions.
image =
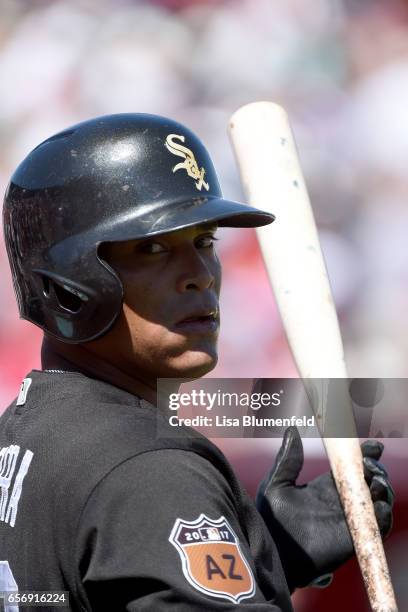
(340, 67)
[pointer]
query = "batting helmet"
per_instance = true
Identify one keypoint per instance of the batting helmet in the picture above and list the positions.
(113, 178)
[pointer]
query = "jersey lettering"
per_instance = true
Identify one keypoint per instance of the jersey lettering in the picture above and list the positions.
(8, 462)
(7, 584)
(22, 396)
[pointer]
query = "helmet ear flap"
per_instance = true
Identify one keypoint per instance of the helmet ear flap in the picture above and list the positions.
(69, 309)
(61, 294)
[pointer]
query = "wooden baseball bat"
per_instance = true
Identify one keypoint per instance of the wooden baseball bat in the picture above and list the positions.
(272, 179)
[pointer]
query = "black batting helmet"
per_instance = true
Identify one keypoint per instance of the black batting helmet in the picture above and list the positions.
(113, 178)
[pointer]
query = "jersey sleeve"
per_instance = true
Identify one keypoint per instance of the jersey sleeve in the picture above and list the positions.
(161, 532)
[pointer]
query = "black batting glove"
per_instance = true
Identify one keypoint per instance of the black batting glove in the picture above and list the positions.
(307, 522)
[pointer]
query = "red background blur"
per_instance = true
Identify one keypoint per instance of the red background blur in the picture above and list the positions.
(340, 67)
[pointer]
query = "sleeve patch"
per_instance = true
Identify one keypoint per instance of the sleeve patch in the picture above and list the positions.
(211, 558)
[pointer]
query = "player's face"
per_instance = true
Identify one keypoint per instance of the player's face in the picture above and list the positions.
(170, 319)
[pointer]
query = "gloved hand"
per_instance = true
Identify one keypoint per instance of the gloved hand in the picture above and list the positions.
(307, 521)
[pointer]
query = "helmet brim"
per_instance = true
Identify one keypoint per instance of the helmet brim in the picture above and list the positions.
(225, 213)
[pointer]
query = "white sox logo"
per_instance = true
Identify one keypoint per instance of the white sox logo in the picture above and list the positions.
(189, 164)
(211, 558)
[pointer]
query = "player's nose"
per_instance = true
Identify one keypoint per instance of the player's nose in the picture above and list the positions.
(197, 274)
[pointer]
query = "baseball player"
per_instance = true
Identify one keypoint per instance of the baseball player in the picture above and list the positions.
(109, 228)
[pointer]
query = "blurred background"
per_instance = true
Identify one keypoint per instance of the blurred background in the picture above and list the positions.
(340, 67)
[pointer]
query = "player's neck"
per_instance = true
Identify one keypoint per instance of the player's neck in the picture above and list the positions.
(75, 358)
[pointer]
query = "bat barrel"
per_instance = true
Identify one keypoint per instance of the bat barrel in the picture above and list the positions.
(273, 181)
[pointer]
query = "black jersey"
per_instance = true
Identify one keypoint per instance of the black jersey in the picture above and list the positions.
(94, 503)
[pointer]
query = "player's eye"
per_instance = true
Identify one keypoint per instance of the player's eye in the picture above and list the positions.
(205, 242)
(152, 248)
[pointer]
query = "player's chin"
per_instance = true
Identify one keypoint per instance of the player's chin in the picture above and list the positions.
(194, 363)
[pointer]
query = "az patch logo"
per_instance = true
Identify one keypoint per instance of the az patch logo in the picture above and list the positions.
(211, 558)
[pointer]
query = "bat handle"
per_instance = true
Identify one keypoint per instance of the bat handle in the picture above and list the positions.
(360, 517)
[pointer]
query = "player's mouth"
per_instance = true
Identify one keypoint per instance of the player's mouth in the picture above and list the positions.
(201, 321)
